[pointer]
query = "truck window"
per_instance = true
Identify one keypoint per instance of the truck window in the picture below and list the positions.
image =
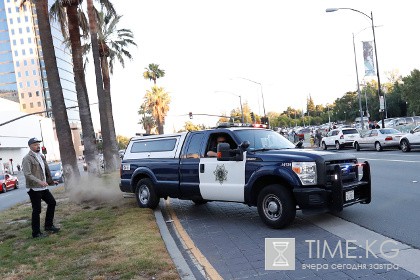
(153, 145)
(194, 147)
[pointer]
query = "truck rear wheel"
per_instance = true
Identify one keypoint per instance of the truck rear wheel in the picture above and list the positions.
(146, 194)
(276, 206)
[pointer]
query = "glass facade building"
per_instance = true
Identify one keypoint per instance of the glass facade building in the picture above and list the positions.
(22, 68)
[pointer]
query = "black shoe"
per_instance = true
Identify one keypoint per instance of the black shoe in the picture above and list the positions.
(52, 229)
(39, 235)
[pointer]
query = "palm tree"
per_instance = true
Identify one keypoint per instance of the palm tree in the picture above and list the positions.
(146, 118)
(112, 44)
(153, 72)
(157, 101)
(62, 126)
(111, 158)
(58, 11)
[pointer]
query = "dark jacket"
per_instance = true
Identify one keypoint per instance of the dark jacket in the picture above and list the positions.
(33, 171)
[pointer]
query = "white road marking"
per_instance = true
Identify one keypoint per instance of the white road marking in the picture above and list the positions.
(394, 160)
(407, 257)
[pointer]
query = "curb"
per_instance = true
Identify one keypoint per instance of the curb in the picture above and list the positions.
(181, 265)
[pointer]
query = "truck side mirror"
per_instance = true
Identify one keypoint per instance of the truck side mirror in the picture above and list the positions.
(225, 153)
(411, 131)
(244, 145)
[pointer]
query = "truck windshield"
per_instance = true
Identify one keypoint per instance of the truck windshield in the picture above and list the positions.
(260, 139)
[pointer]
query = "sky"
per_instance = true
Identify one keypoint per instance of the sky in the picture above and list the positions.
(292, 48)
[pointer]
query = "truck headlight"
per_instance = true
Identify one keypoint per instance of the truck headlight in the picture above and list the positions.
(306, 172)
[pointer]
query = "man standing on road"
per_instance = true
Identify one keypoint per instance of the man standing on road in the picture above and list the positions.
(38, 178)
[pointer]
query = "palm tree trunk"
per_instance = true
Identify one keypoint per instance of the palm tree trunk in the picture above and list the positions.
(89, 141)
(110, 153)
(108, 109)
(62, 126)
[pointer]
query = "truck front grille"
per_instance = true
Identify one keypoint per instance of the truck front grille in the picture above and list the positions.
(349, 171)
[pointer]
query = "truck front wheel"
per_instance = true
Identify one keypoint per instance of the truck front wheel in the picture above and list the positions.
(276, 206)
(146, 194)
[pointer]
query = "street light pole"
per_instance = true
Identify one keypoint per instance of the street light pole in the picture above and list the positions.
(358, 86)
(329, 10)
(262, 95)
(329, 119)
(240, 102)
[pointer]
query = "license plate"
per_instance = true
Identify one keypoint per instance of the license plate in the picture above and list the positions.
(350, 195)
(126, 167)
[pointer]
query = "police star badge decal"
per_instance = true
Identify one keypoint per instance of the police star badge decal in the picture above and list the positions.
(221, 173)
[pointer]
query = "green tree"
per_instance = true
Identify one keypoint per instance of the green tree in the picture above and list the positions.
(62, 126)
(189, 126)
(122, 142)
(112, 46)
(310, 106)
(153, 72)
(157, 101)
(67, 13)
(411, 92)
(146, 118)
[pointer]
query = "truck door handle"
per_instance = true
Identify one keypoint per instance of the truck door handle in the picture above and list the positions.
(202, 168)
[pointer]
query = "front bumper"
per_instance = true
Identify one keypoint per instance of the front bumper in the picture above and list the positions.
(337, 194)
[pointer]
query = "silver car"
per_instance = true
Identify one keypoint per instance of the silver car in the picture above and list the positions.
(410, 140)
(379, 139)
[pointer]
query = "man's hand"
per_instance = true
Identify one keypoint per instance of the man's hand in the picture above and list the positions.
(44, 184)
(56, 183)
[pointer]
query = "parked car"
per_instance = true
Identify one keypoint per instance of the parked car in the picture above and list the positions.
(56, 169)
(410, 140)
(379, 139)
(8, 182)
(339, 138)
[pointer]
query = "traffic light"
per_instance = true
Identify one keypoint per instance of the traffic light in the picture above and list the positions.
(252, 117)
(44, 150)
(190, 114)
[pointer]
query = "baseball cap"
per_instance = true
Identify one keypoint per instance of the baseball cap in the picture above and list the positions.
(33, 140)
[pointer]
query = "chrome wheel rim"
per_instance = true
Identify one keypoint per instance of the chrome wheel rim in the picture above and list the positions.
(272, 207)
(404, 146)
(144, 194)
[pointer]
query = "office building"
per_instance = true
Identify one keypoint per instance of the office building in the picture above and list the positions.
(22, 69)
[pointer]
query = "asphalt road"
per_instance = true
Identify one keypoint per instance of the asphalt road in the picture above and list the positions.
(395, 206)
(13, 197)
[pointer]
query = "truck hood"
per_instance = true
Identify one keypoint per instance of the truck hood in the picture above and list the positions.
(300, 155)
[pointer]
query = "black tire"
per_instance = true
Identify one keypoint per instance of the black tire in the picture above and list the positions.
(405, 146)
(16, 185)
(357, 146)
(276, 206)
(324, 147)
(378, 146)
(146, 194)
(199, 201)
(337, 145)
(4, 188)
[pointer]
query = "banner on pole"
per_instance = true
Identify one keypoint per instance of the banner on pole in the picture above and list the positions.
(368, 58)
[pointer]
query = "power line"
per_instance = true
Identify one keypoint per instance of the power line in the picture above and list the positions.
(49, 110)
